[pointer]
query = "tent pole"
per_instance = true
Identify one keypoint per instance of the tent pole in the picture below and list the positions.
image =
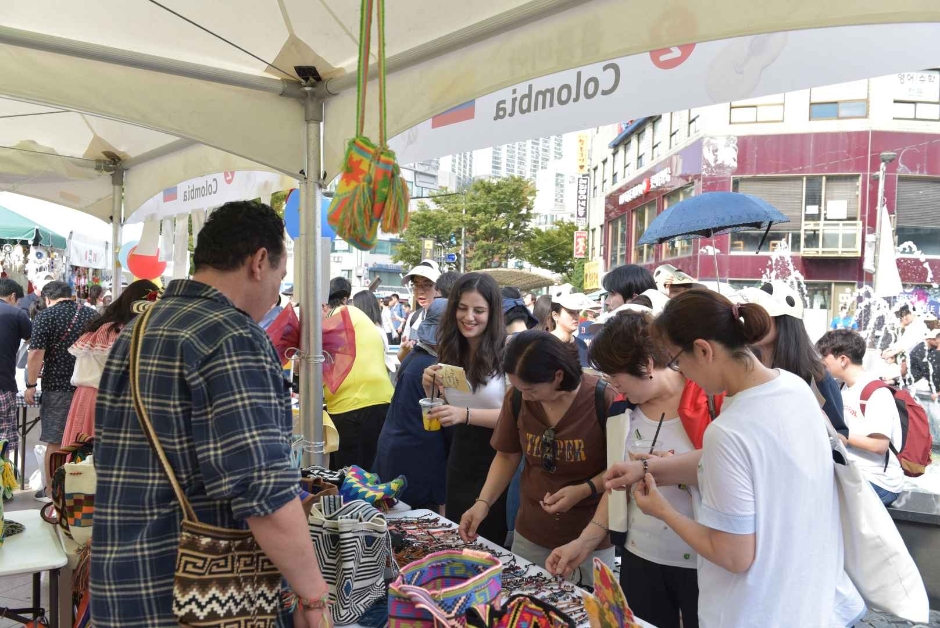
(117, 226)
(311, 302)
(717, 273)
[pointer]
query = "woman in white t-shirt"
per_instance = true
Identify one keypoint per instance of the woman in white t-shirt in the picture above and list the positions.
(658, 572)
(768, 533)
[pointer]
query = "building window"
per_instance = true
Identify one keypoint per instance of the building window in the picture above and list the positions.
(916, 110)
(614, 172)
(683, 247)
(642, 217)
(784, 193)
(830, 216)
(641, 149)
(693, 122)
(916, 212)
(594, 178)
(604, 175)
(618, 241)
(657, 137)
(559, 189)
(834, 102)
(627, 159)
(766, 109)
(673, 130)
(917, 96)
(593, 242)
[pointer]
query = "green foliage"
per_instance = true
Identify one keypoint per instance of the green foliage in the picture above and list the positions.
(552, 249)
(440, 226)
(576, 276)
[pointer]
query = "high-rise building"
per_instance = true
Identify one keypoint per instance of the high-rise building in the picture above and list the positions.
(461, 166)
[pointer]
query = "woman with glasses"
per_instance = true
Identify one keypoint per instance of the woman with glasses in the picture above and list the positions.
(553, 417)
(471, 335)
(767, 533)
(658, 573)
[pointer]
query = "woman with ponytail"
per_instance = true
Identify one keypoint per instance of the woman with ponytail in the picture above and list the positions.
(767, 531)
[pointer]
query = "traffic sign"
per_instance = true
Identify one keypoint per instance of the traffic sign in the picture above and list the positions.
(451, 258)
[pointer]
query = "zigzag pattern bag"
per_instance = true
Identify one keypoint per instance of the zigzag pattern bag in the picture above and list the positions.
(353, 549)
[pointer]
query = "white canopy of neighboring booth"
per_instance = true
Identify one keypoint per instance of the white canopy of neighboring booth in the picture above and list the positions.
(166, 69)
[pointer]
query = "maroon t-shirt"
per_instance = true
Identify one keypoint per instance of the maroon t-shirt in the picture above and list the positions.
(580, 454)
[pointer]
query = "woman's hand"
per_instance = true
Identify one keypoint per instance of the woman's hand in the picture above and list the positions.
(565, 499)
(565, 559)
(649, 499)
(429, 379)
(623, 475)
(449, 415)
(471, 520)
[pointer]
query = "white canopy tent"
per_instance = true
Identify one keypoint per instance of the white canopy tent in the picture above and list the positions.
(222, 77)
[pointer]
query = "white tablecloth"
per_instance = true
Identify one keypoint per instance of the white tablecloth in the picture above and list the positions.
(519, 560)
(35, 549)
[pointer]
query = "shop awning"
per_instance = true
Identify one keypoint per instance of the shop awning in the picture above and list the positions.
(15, 228)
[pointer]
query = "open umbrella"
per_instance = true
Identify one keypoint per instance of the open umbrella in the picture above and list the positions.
(711, 214)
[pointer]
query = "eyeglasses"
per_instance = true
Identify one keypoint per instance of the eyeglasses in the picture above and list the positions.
(674, 362)
(422, 286)
(548, 450)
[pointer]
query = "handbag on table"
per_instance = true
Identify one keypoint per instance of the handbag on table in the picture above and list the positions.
(223, 578)
(360, 484)
(439, 590)
(72, 489)
(353, 550)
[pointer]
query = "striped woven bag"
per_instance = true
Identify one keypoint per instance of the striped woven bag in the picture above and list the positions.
(371, 190)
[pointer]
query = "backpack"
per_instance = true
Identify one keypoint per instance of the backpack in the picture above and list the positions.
(600, 404)
(916, 442)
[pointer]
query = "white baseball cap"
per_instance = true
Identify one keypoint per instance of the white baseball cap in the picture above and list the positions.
(657, 298)
(427, 268)
(575, 301)
(667, 273)
(777, 297)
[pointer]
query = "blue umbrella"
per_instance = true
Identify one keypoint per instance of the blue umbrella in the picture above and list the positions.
(711, 214)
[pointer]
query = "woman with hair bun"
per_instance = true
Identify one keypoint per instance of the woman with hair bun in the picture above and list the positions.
(767, 532)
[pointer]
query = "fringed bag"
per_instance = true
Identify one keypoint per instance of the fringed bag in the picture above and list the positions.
(371, 190)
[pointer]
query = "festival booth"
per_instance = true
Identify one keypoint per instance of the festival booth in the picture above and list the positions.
(28, 251)
(88, 264)
(289, 105)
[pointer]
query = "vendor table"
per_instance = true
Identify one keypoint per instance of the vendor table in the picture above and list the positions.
(24, 428)
(496, 548)
(33, 551)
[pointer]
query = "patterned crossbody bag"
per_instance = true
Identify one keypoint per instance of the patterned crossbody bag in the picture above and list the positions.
(222, 578)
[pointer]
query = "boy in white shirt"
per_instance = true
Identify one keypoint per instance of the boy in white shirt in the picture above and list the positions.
(874, 424)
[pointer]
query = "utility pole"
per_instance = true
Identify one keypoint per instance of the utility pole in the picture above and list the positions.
(463, 237)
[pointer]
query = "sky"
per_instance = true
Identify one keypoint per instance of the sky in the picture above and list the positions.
(64, 220)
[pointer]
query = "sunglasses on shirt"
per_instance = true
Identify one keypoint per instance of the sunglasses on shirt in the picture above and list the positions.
(548, 450)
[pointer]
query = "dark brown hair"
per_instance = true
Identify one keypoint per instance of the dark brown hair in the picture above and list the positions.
(839, 342)
(535, 356)
(454, 349)
(625, 345)
(542, 311)
(119, 313)
(707, 315)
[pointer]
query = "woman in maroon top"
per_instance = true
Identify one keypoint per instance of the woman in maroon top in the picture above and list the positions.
(553, 416)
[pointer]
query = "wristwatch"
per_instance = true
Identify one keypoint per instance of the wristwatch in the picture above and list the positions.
(28, 386)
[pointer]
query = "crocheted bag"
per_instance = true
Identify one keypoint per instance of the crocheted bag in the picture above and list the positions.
(608, 607)
(371, 189)
(360, 484)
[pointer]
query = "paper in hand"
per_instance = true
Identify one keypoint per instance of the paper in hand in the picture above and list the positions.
(453, 377)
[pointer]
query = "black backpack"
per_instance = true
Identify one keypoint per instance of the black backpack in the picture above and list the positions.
(600, 404)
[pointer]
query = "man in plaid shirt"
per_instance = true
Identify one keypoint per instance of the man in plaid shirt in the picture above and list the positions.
(214, 390)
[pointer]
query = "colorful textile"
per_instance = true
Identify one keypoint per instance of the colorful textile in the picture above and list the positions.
(81, 419)
(8, 430)
(360, 484)
(525, 611)
(607, 607)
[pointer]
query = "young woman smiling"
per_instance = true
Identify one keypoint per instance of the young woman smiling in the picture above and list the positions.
(472, 335)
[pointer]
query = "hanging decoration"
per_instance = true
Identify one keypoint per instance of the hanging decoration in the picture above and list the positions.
(371, 190)
(145, 266)
(125, 251)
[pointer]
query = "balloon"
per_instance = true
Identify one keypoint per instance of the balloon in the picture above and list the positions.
(125, 251)
(145, 266)
(292, 216)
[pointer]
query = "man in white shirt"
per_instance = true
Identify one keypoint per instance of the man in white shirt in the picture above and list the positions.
(914, 332)
(874, 424)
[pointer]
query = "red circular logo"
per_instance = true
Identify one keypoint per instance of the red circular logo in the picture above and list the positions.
(669, 58)
(229, 176)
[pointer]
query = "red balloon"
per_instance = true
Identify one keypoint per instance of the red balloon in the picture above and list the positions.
(145, 266)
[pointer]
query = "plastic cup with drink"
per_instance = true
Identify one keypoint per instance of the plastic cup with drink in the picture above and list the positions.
(431, 424)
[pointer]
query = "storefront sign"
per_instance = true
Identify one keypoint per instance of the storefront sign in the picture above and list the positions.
(582, 210)
(580, 244)
(659, 180)
(584, 152)
(592, 276)
(87, 253)
(917, 86)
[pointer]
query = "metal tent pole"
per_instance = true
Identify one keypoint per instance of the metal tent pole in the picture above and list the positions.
(715, 256)
(311, 303)
(117, 226)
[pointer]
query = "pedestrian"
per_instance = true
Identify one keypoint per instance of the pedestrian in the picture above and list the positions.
(91, 353)
(358, 407)
(368, 304)
(516, 314)
(55, 330)
(671, 281)
(562, 520)
(625, 282)
(472, 336)
(397, 312)
(529, 301)
(844, 320)
(925, 379)
(388, 327)
(565, 321)
(787, 346)
(914, 330)
(769, 499)
(658, 571)
(15, 327)
(26, 302)
(213, 388)
(422, 278)
(873, 420)
(94, 298)
(543, 312)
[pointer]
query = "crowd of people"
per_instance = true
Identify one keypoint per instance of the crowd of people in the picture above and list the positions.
(517, 452)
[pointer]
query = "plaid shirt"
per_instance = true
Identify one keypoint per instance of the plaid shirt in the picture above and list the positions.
(220, 405)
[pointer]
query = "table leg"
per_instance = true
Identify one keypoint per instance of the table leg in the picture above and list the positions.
(37, 601)
(22, 459)
(54, 598)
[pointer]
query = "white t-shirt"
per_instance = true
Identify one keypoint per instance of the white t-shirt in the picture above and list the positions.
(880, 417)
(387, 326)
(766, 469)
(912, 336)
(647, 537)
(488, 397)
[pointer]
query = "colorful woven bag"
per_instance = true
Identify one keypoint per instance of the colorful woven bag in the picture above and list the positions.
(525, 611)
(438, 590)
(608, 607)
(371, 190)
(360, 484)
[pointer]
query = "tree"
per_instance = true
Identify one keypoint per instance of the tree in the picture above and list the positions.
(439, 226)
(576, 276)
(552, 249)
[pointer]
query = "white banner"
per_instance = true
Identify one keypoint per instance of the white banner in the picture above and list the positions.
(683, 77)
(917, 86)
(87, 253)
(205, 192)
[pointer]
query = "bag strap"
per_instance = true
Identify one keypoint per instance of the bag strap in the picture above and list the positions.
(188, 513)
(600, 403)
(365, 45)
(78, 309)
(869, 390)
